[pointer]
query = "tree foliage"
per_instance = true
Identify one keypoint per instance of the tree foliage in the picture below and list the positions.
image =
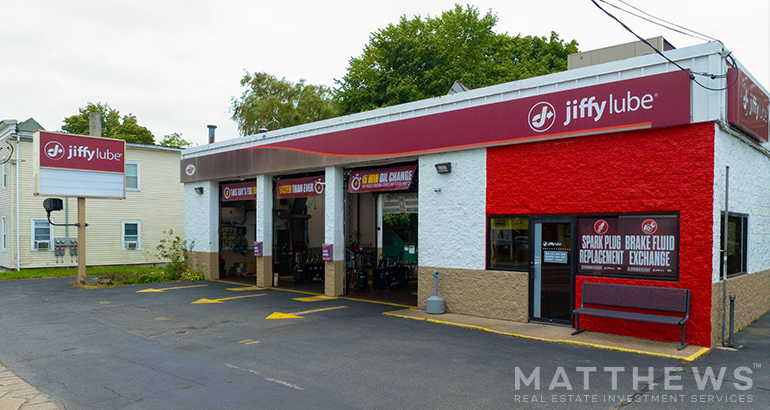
(422, 57)
(274, 103)
(113, 125)
(174, 140)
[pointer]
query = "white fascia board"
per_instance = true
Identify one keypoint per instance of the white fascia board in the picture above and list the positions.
(701, 57)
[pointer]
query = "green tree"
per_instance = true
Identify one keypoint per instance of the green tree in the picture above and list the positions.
(113, 125)
(422, 57)
(274, 103)
(175, 140)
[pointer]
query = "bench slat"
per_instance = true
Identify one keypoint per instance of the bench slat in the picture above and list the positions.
(636, 317)
(635, 297)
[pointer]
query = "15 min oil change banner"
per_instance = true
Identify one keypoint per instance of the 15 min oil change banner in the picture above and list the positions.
(629, 245)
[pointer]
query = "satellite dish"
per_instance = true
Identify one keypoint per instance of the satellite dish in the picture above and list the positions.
(6, 152)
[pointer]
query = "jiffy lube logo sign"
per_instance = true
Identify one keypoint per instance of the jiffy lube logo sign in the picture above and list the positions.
(590, 108)
(81, 153)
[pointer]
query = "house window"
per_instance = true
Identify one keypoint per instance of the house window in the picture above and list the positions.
(132, 235)
(132, 176)
(42, 234)
(737, 243)
(5, 235)
(508, 243)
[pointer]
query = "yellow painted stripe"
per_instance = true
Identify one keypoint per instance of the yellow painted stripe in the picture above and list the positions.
(305, 312)
(321, 294)
(233, 283)
(690, 358)
(251, 343)
(244, 341)
(315, 298)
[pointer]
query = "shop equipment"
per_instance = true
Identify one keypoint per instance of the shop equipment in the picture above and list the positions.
(299, 271)
(361, 275)
(634, 297)
(435, 304)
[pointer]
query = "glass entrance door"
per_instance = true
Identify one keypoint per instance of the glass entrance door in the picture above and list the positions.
(551, 287)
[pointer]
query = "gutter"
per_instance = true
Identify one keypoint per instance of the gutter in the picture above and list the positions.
(18, 186)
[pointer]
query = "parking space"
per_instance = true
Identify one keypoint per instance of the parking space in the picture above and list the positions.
(246, 347)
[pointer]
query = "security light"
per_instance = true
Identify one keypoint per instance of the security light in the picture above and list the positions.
(199, 190)
(444, 167)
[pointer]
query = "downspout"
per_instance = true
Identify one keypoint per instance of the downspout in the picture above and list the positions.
(18, 224)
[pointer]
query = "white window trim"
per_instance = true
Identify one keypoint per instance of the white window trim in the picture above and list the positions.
(138, 234)
(32, 234)
(4, 234)
(138, 176)
(5, 176)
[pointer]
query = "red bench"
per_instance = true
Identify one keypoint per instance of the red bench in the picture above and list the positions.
(635, 297)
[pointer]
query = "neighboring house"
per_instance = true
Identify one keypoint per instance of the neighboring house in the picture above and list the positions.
(120, 232)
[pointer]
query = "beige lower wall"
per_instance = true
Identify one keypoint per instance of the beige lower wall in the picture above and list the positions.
(752, 299)
(484, 293)
(206, 262)
(264, 271)
(335, 278)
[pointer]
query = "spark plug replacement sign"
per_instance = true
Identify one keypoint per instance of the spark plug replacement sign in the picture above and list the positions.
(78, 165)
(629, 245)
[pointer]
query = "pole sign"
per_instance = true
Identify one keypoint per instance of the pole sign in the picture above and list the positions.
(301, 187)
(78, 166)
(629, 245)
(242, 191)
(748, 107)
(383, 179)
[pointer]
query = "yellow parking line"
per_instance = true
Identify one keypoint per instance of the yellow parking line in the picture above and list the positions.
(305, 312)
(690, 358)
(321, 294)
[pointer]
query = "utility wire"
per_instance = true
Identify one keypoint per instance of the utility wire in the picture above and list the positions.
(689, 73)
(703, 36)
(699, 37)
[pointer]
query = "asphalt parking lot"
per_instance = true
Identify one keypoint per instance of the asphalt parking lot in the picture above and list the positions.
(118, 348)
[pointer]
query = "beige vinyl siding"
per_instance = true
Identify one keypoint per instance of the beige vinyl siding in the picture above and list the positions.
(158, 205)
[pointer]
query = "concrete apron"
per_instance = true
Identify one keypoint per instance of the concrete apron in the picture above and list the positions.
(558, 334)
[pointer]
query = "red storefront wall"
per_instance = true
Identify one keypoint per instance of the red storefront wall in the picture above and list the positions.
(660, 170)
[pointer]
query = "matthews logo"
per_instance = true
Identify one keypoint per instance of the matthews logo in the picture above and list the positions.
(706, 379)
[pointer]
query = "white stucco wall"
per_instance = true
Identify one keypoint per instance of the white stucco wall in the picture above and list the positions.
(333, 211)
(264, 220)
(201, 216)
(452, 222)
(749, 194)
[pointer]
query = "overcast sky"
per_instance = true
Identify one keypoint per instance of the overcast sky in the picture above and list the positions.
(176, 64)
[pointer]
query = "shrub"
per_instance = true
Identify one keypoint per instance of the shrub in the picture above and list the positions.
(177, 251)
(192, 276)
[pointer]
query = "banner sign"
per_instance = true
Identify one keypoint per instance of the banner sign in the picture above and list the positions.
(400, 203)
(78, 165)
(644, 245)
(242, 191)
(651, 101)
(748, 107)
(382, 179)
(301, 187)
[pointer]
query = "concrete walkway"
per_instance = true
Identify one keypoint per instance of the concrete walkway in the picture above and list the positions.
(16, 394)
(558, 334)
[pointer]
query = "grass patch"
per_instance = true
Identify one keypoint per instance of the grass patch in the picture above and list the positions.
(59, 272)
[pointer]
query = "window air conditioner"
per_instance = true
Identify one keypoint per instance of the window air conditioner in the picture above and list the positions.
(131, 246)
(42, 245)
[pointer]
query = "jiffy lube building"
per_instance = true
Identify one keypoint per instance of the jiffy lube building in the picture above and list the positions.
(519, 194)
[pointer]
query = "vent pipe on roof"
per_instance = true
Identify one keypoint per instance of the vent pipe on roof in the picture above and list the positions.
(211, 133)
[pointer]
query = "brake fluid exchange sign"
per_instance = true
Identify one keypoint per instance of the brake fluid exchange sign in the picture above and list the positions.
(79, 165)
